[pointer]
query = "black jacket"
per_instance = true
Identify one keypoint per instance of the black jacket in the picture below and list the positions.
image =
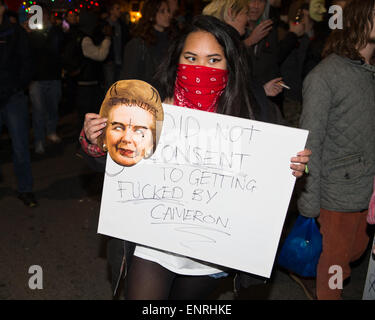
(125, 37)
(141, 60)
(46, 48)
(266, 110)
(268, 54)
(15, 60)
(292, 69)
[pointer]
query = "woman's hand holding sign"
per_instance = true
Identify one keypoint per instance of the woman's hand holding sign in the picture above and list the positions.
(299, 163)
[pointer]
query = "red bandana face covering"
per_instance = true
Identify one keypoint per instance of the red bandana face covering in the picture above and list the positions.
(199, 87)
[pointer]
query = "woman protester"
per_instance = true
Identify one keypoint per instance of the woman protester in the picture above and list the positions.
(207, 47)
(144, 53)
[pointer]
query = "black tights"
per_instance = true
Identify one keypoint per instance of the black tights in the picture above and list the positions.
(148, 280)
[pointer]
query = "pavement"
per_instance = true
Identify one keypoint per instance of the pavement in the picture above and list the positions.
(60, 235)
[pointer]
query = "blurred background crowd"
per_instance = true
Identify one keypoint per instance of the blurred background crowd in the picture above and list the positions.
(66, 62)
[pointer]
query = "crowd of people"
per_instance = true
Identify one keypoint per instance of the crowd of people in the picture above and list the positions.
(280, 62)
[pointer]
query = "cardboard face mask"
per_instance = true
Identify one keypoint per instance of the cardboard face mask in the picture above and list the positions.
(134, 110)
(129, 134)
(317, 10)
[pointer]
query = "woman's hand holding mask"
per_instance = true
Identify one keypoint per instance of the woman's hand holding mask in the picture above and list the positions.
(93, 127)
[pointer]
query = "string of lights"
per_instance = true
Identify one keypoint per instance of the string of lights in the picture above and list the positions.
(62, 7)
(63, 4)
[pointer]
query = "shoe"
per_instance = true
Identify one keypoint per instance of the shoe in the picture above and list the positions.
(54, 138)
(39, 148)
(307, 284)
(28, 199)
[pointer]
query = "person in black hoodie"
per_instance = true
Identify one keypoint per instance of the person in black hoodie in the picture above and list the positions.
(15, 75)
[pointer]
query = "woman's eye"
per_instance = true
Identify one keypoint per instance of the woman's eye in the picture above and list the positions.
(214, 60)
(191, 59)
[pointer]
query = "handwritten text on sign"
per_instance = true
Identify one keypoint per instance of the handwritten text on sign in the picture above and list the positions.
(216, 189)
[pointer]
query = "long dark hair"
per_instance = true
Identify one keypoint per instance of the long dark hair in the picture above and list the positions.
(237, 94)
(145, 27)
(357, 25)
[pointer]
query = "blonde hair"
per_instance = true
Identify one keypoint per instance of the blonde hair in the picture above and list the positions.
(220, 8)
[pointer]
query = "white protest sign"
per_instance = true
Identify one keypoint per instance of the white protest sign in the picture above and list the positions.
(216, 189)
(369, 290)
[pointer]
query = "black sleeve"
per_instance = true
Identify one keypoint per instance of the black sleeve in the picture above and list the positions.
(313, 57)
(132, 60)
(24, 58)
(125, 33)
(266, 110)
(95, 163)
(286, 46)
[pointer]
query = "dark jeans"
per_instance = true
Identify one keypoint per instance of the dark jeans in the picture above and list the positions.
(14, 114)
(45, 98)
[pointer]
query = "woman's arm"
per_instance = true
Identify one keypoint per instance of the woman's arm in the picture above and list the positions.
(97, 53)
